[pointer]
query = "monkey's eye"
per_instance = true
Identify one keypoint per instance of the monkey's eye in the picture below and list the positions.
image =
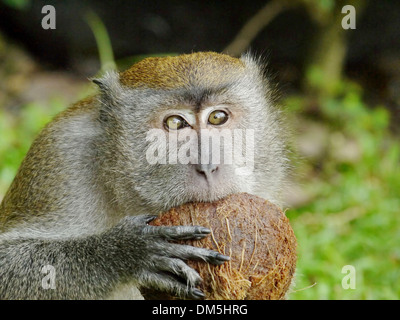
(175, 123)
(217, 117)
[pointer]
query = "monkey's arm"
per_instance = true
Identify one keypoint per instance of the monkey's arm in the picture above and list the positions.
(91, 267)
(80, 269)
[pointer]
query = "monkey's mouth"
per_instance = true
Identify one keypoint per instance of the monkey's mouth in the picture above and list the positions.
(209, 192)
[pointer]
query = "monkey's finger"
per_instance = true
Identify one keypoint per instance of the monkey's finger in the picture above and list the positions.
(179, 268)
(186, 252)
(170, 284)
(178, 232)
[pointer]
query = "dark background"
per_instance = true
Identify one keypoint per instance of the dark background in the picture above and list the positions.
(143, 27)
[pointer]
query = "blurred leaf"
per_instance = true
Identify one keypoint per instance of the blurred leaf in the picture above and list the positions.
(353, 216)
(103, 41)
(326, 5)
(315, 76)
(18, 4)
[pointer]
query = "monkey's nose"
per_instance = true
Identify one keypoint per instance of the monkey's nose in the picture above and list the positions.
(206, 169)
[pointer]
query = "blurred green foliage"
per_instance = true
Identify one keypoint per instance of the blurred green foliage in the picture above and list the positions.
(17, 132)
(321, 5)
(353, 217)
(17, 4)
(106, 54)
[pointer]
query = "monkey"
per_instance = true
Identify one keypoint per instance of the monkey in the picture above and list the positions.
(84, 195)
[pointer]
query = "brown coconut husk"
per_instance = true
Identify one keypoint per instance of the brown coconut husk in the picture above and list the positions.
(257, 236)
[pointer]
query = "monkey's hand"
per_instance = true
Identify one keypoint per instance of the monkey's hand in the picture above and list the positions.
(154, 262)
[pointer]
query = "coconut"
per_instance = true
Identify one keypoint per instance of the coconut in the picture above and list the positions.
(257, 236)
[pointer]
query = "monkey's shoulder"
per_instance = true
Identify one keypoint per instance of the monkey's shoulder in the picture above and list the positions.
(86, 106)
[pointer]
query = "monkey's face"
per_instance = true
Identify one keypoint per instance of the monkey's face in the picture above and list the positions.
(202, 148)
(181, 151)
(199, 133)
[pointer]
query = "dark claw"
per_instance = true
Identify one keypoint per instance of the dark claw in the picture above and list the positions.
(150, 218)
(205, 230)
(197, 294)
(223, 257)
(220, 259)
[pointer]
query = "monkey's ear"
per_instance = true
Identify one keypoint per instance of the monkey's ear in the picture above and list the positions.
(107, 81)
(110, 89)
(96, 81)
(99, 83)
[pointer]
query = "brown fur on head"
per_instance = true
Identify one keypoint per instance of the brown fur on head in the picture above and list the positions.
(198, 69)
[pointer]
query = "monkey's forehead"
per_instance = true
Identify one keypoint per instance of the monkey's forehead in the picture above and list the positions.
(195, 69)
